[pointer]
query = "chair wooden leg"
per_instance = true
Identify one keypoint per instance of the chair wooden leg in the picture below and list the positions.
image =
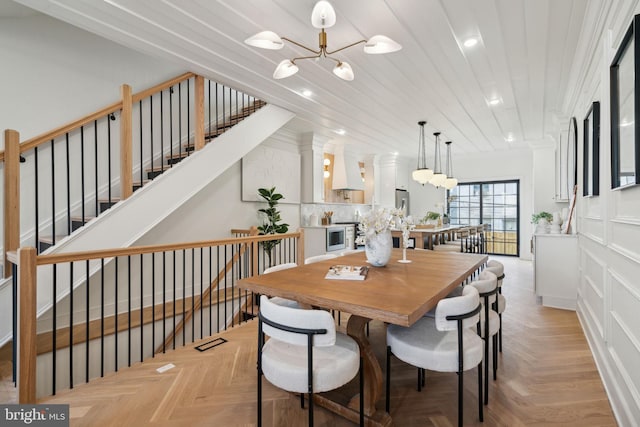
(310, 410)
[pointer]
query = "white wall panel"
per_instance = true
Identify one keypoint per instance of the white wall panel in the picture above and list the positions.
(625, 238)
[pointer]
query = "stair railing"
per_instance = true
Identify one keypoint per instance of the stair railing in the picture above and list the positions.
(76, 171)
(121, 302)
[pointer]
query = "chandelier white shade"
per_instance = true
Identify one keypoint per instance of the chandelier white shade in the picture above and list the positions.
(323, 16)
(265, 40)
(381, 44)
(422, 174)
(285, 69)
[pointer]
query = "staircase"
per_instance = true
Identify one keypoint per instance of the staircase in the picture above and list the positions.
(99, 217)
(170, 160)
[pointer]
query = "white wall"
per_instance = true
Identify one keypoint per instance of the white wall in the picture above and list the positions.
(220, 203)
(53, 73)
(609, 224)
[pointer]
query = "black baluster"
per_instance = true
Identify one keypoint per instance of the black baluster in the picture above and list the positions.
(217, 108)
(174, 299)
(180, 120)
(54, 353)
(184, 292)
(161, 137)
(82, 193)
(111, 117)
(225, 288)
(69, 224)
(95, 154)
(233, 310)
(151, 133)
(71, 324)
(36, 205)
(189, 115)
(129, 310)
(153, 303)
(171, 122)
(218, 288)
(53, 195)
(115, 313)
(201, 294)
(193, 296)
(210, 291)
(86, 335)
(141, 155)
(141, 308)
(102, 317)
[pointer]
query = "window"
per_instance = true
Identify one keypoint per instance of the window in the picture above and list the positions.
(496, 203)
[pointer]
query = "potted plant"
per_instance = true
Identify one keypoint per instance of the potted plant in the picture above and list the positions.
(431, 217)
(271, 223)
(542, 221)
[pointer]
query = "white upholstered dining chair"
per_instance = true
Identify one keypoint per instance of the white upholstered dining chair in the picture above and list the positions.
(304, 353)
(319, 258)
(497, 268)
(486, 284)
(279, 300)
(446, 343)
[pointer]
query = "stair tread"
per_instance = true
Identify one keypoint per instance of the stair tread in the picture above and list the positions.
(113, 200)
(160, 168)
(178, 155)
(49, 239)
(79, 218)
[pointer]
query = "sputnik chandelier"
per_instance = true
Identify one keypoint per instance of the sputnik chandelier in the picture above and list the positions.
(323, 16)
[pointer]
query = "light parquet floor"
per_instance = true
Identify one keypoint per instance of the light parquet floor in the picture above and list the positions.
(546, 377)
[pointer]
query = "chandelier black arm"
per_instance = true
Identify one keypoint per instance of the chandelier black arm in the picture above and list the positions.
(345, 47)
(317, 52)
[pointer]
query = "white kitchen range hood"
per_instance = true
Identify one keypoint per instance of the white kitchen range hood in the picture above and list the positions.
(346, 172)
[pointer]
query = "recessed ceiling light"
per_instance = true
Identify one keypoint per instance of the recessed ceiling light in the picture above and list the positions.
(307, 92)
(494, 101)
(340, 131)
(470, 42)
(509, 138)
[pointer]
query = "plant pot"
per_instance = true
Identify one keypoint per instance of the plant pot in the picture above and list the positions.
(378, 248)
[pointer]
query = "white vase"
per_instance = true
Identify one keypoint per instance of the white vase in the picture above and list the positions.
(542, 227)
(378, 248)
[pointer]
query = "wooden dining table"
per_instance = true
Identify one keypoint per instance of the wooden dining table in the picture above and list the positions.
(398, 293)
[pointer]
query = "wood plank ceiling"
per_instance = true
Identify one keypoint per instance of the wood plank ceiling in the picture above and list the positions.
(523, 59)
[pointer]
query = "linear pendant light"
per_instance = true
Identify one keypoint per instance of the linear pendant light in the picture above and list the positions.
(323, 16)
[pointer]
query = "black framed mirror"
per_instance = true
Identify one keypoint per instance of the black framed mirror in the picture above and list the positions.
(591, 151)
(625, 110)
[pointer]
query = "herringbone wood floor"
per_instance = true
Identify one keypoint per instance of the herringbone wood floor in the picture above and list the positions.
(546, 377)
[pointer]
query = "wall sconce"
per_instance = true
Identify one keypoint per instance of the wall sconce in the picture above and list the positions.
(327, 162)
(362, 172)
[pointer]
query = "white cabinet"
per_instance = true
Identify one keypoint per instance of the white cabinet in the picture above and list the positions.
(555, 269)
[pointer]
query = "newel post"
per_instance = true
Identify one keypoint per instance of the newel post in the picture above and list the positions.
(26, 357)
(11, 195)
(301, 247)
(253, 231)
(126, 150)
(199, 111)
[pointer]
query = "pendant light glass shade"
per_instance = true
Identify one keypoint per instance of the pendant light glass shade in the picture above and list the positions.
(438, 177)
(450, 182)
(265, 40)
(323, 15)
(285, 69)
(381, 44)
(422, 174)
(344, 71)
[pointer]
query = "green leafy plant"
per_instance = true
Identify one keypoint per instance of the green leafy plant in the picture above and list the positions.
(271, 224)
(536, 217)
(431, 216)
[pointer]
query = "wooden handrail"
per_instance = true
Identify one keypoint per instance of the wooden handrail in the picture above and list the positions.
(162, 86)
(137, 250)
